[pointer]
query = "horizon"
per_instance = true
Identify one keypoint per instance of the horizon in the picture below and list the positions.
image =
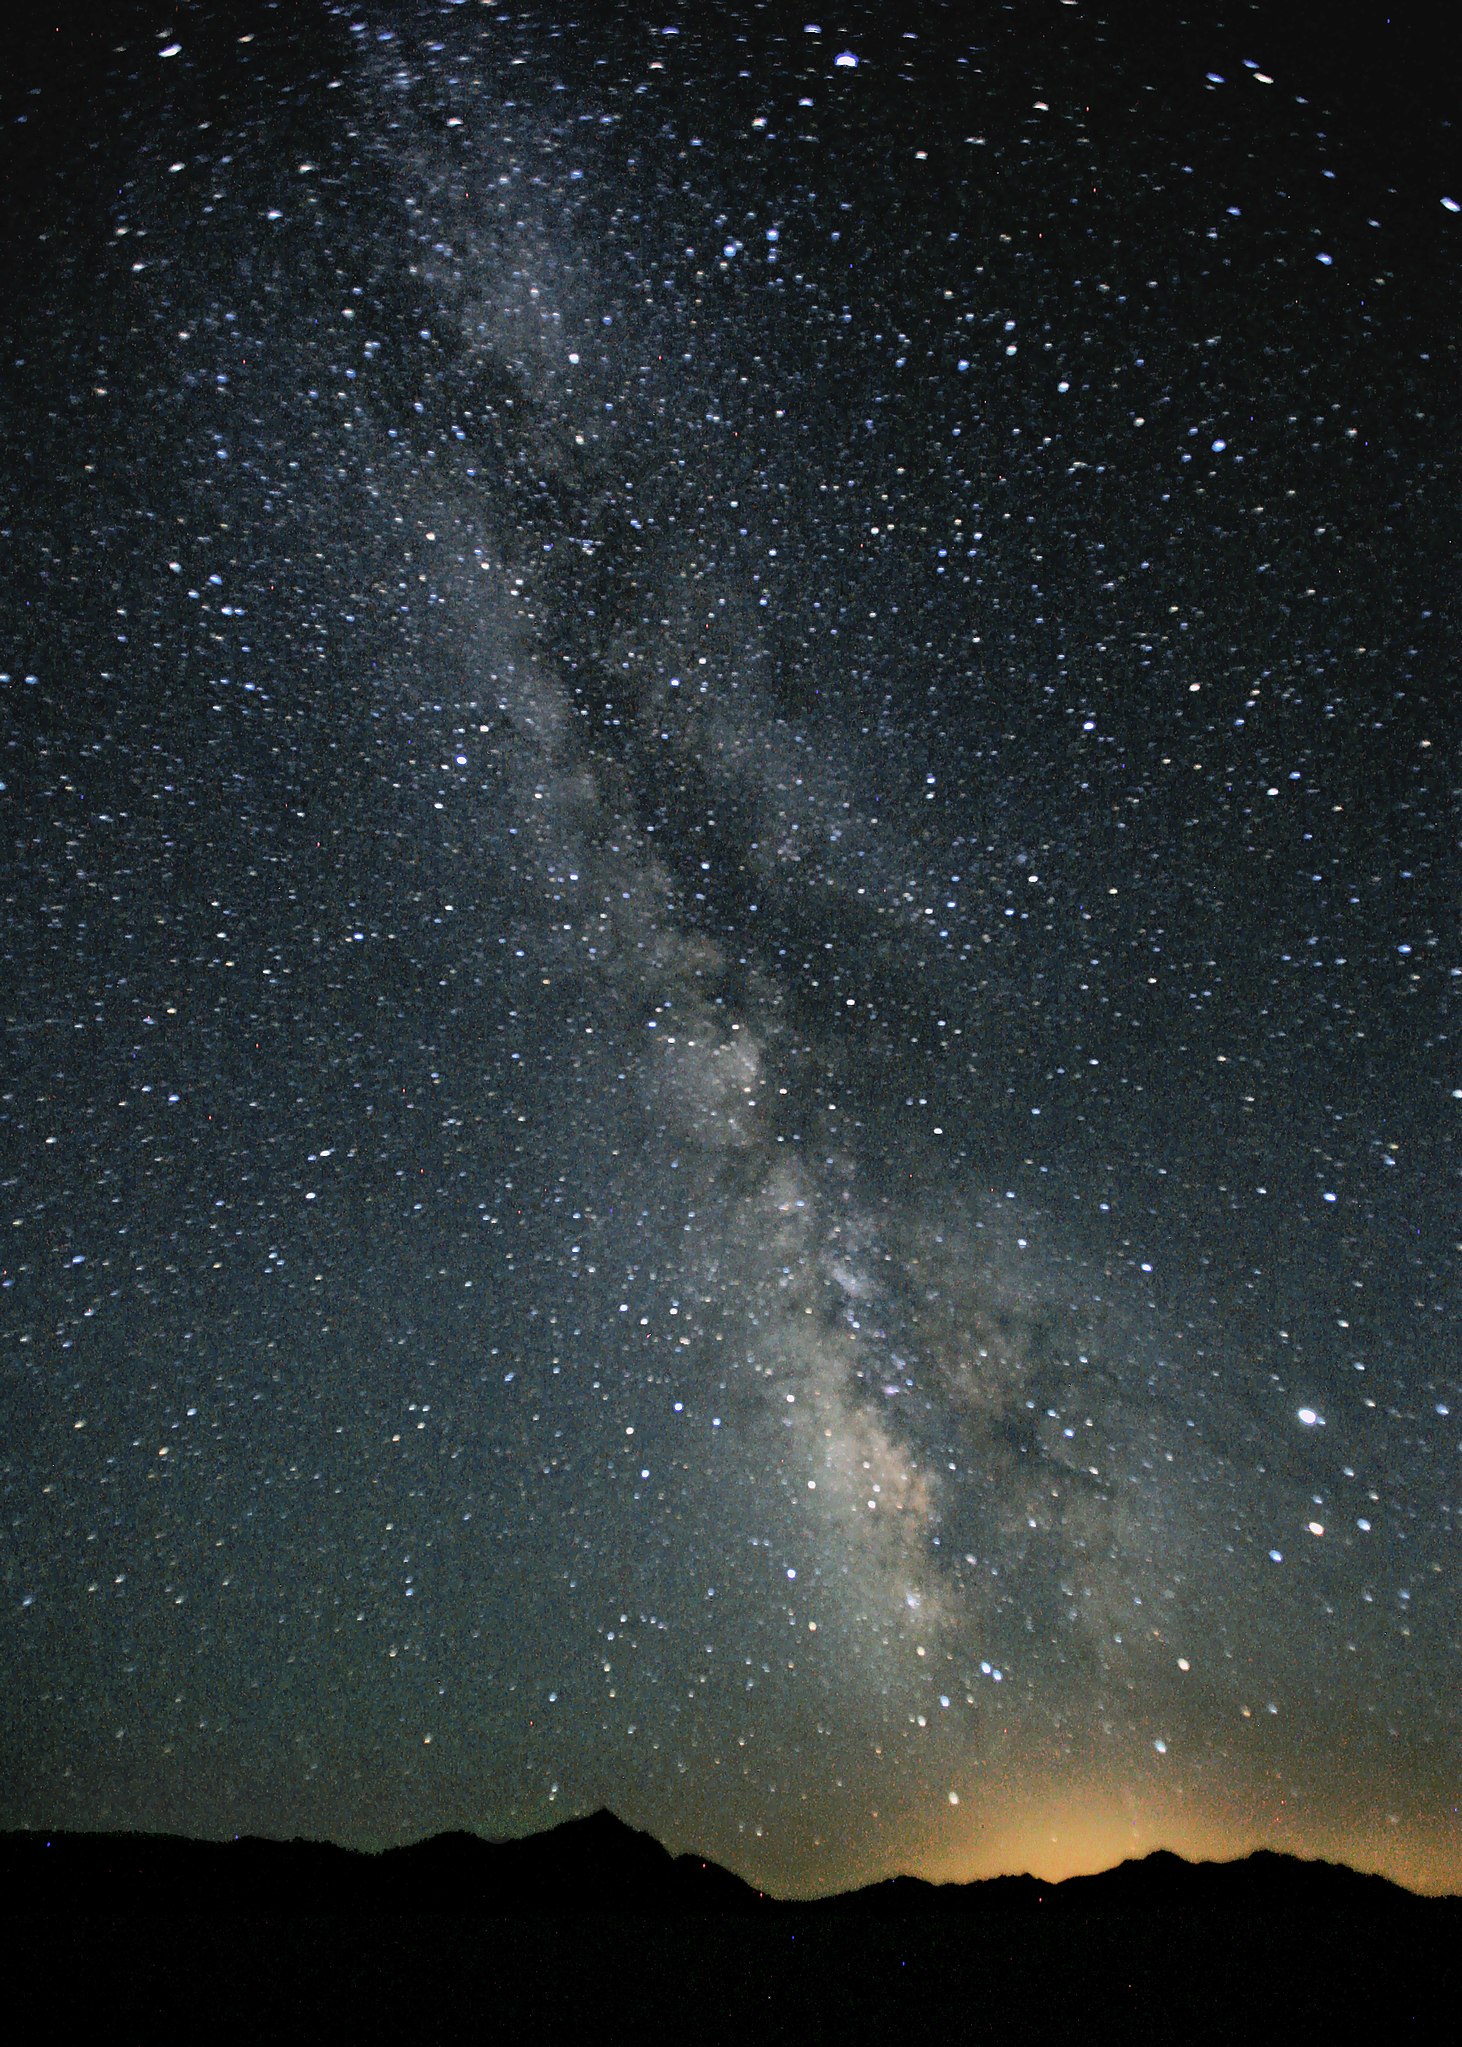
(1081, 1872)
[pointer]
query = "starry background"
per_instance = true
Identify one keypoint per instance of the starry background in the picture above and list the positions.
(729, 932)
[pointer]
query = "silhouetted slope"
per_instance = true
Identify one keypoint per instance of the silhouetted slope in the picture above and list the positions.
(1161, 1882)
(593, 1930)
(597, 1864)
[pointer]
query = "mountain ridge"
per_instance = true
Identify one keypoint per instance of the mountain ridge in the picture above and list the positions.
(598, 1864)
(595, 1931)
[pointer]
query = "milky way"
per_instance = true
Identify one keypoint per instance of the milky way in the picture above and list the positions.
(730, 940)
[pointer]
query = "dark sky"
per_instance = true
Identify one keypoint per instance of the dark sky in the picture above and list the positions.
(730, 954)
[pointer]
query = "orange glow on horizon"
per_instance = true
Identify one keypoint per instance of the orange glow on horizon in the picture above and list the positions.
(1071, 1839)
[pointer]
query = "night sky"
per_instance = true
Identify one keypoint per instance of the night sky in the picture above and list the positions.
(728, 932)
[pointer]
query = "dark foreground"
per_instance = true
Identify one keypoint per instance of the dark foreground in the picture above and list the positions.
(594, 1931)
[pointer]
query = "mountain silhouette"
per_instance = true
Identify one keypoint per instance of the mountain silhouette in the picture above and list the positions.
(594, 1864)
(598, 1864)
(594, 1930)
